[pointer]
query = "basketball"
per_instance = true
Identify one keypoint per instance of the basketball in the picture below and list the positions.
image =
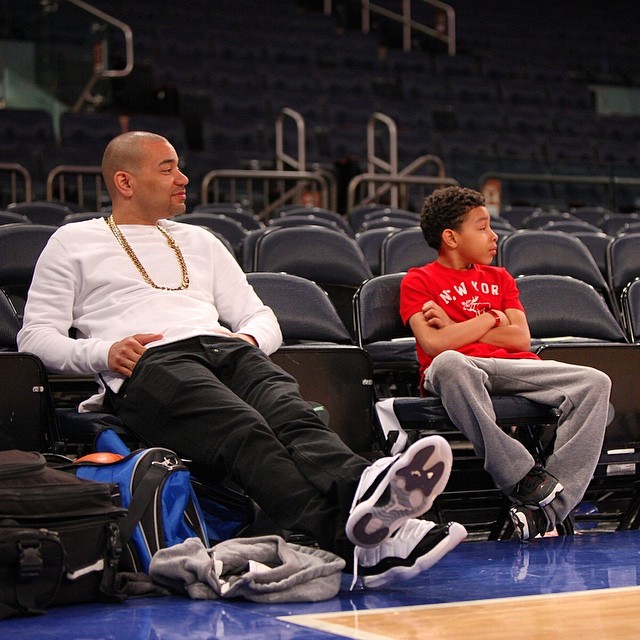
(100, 457)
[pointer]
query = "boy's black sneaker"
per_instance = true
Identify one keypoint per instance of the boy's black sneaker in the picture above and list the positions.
(528, 523)
(537, 489)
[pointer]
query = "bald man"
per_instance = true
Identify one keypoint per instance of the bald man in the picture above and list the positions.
(178, 341)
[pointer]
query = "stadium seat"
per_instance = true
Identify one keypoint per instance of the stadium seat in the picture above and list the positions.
(539, 219)
(20, 248)
(517, 214)
(403, 249)
(399, 222)
(332, 259)
(223, 225)
(287, 294)
(47, 213)
(245, 217)
(570, 226)
(592, 215)
(373, 216)
(597, 243)
(564, 309)
(304, 220)
(370, 242)
(623, 263)
(631, 309)
(614, 222)
(380, 330)
(403, 416)
(298, 210)
(7, 217)
(535, 252)
(319, 352)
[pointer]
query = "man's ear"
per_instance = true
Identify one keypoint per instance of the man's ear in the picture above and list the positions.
(122, 181)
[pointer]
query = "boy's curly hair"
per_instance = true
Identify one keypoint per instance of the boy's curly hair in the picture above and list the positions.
(445, 209)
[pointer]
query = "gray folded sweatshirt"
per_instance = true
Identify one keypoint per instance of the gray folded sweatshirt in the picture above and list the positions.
(261, 569)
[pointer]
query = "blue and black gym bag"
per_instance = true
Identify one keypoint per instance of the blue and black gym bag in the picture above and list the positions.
(155, 487)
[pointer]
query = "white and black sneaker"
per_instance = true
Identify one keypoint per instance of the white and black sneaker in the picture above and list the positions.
(393, 490)
(416, 546)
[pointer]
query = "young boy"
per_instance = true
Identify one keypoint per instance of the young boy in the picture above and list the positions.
(473, 340)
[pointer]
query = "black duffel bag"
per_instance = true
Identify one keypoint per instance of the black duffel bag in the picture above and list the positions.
(59, 536)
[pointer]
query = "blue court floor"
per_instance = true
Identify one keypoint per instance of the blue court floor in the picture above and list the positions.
(473, 571)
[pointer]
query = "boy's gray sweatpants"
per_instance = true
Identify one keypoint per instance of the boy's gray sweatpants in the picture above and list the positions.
(580, 393)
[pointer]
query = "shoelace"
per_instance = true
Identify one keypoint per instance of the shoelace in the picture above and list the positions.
(530, 481)
(356, 499)
(356, 565)
(377, 469)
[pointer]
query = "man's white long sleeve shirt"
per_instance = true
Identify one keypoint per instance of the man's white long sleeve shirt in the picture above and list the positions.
(85, 281)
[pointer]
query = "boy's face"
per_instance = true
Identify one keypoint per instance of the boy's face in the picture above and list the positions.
(475, 242)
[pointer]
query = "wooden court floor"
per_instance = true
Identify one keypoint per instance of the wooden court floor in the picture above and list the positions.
(590, 615)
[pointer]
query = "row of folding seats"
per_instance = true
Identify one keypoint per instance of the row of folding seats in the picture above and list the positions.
(603, 219)
(395, 245)
(560, 309)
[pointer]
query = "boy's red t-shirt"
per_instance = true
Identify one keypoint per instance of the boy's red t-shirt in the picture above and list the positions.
(462, 294)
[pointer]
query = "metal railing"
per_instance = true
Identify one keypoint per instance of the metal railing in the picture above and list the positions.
(403, 181)
(391, 181)
(100, 54)
(607, 182)
(86, 180)
(283, 158)
(265, 191)
(374, 161)
(299, 163)
(445, 32)
(273, 189)
(19, 181)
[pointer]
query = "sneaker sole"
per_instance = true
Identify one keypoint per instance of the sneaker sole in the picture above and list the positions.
(457, 533)
(414, 480)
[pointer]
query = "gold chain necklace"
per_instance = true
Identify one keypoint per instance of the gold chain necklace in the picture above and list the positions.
(134, 258)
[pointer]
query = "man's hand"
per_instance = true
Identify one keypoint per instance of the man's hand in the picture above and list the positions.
(435, 316)
(124, 355)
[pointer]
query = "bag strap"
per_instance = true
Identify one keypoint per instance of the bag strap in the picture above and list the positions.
(108, 584)
(30, 566)
(141, 499)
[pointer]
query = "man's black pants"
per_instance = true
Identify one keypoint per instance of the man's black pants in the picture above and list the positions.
(223, 403)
